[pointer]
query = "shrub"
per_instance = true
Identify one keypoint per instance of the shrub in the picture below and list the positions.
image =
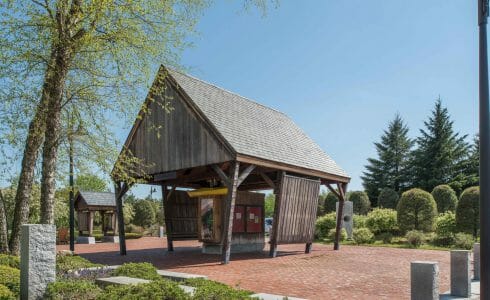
(10, 277)
(329, 205)
(144, 213)
(416, 210)
(468, 211)
(208, 289)
(415, 238)
(343, 234)
(65, 263)
(445, 229)
(6, 294)
(72, 289)
(324, 224)
(362, 236)
(138, 270)
(10, 260)
(386, 237)
(463, 241)
(359, 221)
(158, 290)
(381, 220)
(360, 202)
(445, 198)
(388, 198)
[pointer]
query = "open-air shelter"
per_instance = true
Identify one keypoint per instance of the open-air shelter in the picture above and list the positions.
(208, 149)
(88, 203)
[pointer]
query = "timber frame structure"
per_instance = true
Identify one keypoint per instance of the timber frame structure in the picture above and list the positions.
(214, 138)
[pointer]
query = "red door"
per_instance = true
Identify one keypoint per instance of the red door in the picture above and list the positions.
(254, 219)
(239, 219)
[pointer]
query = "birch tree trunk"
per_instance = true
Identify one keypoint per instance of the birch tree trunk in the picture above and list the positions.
(4, 246)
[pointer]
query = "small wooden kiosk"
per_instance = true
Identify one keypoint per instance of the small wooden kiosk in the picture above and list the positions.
(212, 138)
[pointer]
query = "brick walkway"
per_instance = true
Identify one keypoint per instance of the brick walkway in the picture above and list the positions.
(351, 273)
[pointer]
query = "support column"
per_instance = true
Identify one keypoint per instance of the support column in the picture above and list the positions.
(275, 220)
(90, 223)
(114, 223)
(165, 197)
(229, 212)
(120, 190)
(102, 221)
(342, 188)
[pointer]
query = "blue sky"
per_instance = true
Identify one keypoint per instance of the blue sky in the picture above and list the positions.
(342, 69)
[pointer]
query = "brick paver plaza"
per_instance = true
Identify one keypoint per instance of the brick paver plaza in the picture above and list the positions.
(351, 273)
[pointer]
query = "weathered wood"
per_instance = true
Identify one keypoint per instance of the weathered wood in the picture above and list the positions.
(245, 174)
(331, 189)
(275, 220)
(166, 207)
(268, 180)
(229, 212)
(224, 178)
(120, 190)
(342, 187)
(181, 216)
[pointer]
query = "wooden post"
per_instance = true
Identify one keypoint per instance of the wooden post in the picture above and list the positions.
(102, 219)
(90, 223)
(308, 247)
(114, 223)
(275, 220)
(165, 197)
(229, 212)
(342, 188)
(120, 191)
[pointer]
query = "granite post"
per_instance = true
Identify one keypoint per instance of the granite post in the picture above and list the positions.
(37, 259)
(424, 280)
(460, 273)
(476, 261)
(347, 217)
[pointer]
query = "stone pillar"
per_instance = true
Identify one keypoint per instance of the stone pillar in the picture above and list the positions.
(460, 273)
(347, 217)
(37, 259)
(115, 226)
(476, 261)
(90, 223)
(424, 280)
(161, 231)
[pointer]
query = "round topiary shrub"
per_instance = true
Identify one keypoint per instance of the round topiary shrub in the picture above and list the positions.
(10, 260)
(463, 241)
(329, 204)
(6, 294)
(468, 211)
(360, 202)
(445, 229)
(415, 238)
(343, 234)
(388, 198)
(362, 236)
(359, 221)
(137, 270)
(209, 289)
(159, 289)
(416, 210)
(72, 289)
(324, 224)
(381, 220)
(10, 277)
(445, 198)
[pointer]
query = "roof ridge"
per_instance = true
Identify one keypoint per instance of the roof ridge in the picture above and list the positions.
(228, 91)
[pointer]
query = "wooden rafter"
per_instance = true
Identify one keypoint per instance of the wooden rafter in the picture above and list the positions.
(245, 174)
(221, 175)
(268, 180)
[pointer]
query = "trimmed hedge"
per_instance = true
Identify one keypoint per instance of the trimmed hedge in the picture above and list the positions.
(468, 211)
(66, 262)
(10, 260)
(445, 198)
(6, 294)
(416, 210)
(10, 277)
(360, 202)
(445, 229)
(362, 236)
(415, 238)
(381, 220)
(343, 234)
(138, 270)
(359, 221)
(463, 241)
(324, 224)
(157, 290)
(388, 198)
(208, 289)
(72, 289)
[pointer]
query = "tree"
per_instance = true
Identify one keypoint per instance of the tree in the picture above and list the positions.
(388, 198)
(329, 204)
(416, 210)
(437, 159)
(390, 169)
(269, 205)
(445, 198)
(4, 247)
(90, 182)
(144, 213)
(360, 202)
(468, 211)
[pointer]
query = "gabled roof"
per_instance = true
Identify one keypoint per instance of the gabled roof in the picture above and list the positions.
(98, 198)
(255, 130)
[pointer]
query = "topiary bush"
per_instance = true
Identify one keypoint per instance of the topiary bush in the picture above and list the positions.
(468, 211)
(463, 241)
(359, 221)
(324, 224)
(138, 270)
(10, 260)
(388, 198)
(445, 229)
(343, 234)
(381, 220)
(362, 236)
(10, 277)
(415, 238)
(445, 198)
(360, 202)
(416, 210)
(158, 290)
(6, 294)
(329, 204)
(208, 289)
(72, 289)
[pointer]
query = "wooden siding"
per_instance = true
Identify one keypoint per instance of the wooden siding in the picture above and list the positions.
(181, 214)
(297, 211)
(175, 140)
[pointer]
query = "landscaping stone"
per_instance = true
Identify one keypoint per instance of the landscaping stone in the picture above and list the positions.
(85, 240)
(178, 276)
(188, 289)
(119, 280)
(476, 261)
(460, 273)
(37, 259)
(264, 296)
(424, 280)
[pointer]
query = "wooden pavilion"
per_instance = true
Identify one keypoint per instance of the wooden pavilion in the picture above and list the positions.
(87, 203)
(213, 138)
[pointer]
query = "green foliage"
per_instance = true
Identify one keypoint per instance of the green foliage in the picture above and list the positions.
(446, 224)
(360, 202)
(463, 241)
(386, 237)
(6, 294)
(329, 204)
(158, 290)
(65, 263)
(362, 236)
(269, 205)
(381, 220)
(391, 167)
(359, 221)
(324, 224)
(445, 198)
(208, 289)
(388, 198)
(343, 234)
(10, 260)
(128, 212)
(415, 238)
(144, 213)
(138, 270)
(416, 211)
(10, 277)
(90, 182)
(72, 289)
(468, 211)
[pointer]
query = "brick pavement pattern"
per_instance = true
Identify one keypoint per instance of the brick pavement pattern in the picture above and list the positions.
(354, 272)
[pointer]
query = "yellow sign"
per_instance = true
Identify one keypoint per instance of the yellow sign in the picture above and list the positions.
(208, 192)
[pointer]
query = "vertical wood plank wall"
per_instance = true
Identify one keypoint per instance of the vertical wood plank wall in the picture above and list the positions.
(297, 213)
(181, 214)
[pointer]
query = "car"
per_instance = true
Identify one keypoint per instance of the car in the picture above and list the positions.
(268, 225)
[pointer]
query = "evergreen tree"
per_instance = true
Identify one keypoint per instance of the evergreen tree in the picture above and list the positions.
(390, 168)
(441, 152)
